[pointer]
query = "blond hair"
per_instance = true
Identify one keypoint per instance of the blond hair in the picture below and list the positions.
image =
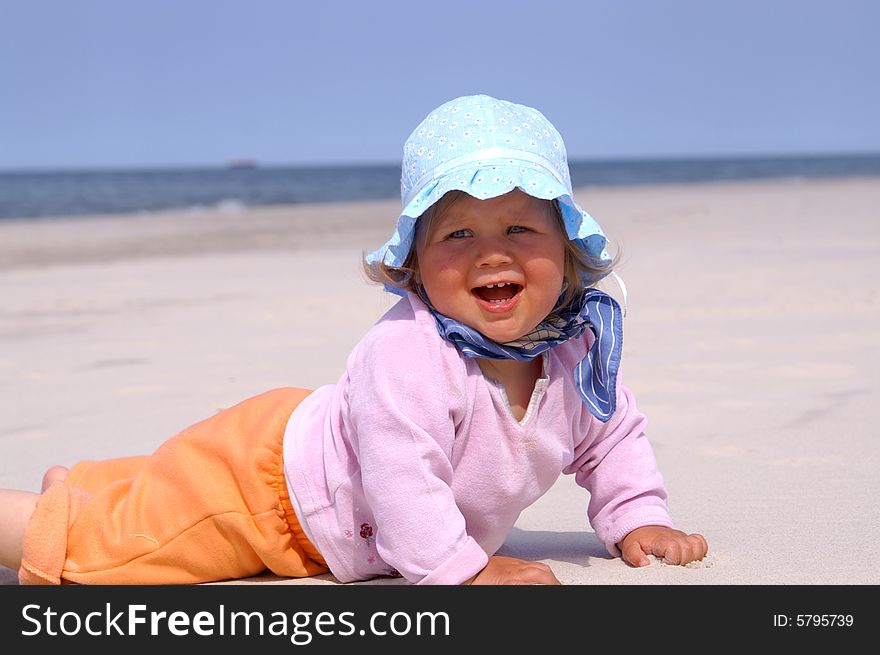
(577, 266)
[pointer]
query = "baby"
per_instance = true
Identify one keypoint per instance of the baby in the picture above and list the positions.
(496, 371)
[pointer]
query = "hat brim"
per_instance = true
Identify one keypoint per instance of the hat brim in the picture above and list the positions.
(489, 181)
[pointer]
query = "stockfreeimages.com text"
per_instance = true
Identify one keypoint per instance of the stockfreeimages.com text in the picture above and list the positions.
(301, 627)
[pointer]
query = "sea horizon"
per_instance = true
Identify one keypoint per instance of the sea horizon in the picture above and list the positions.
(243, 183)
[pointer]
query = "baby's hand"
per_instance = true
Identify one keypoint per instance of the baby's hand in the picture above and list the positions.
(509, 570)
(674, 546)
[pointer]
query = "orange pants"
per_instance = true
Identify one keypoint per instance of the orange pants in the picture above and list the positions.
(210, 504)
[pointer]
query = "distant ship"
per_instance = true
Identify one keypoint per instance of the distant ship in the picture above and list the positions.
(241, 162)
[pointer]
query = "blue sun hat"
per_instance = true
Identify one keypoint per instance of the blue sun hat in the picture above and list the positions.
(487, 147)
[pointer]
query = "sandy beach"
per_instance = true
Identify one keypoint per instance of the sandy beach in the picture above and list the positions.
(752, 331)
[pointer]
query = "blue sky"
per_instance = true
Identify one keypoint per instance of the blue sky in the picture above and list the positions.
(101, 83)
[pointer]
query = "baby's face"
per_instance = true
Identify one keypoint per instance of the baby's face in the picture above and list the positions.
(496, 265)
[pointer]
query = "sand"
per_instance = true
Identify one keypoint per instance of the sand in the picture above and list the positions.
(751, 344)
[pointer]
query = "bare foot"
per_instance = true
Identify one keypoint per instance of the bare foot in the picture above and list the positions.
(54, 474)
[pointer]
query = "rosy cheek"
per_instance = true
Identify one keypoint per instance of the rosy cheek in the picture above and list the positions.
(436, 271)
(449, 268)
(447, 265)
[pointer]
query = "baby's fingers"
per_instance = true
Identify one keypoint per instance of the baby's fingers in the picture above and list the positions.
(632, 553)
(667, 548)
(680, 549)
(534, 573)
(700, 546)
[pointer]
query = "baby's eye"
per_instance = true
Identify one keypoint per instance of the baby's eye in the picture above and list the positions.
(459, 234)
(517, 229)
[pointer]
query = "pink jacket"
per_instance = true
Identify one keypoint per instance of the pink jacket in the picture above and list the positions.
(414, 463)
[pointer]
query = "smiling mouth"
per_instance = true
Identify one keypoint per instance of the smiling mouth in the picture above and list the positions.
(497, 294)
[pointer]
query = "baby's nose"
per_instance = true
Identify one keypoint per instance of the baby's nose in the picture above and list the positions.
(493, 252)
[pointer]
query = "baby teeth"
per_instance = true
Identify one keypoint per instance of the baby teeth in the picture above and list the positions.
(500, 284)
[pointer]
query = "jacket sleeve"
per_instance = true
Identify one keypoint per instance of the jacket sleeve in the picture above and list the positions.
(404, 402)
(616, 464)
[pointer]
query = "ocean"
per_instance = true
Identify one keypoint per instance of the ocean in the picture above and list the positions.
(73, 193)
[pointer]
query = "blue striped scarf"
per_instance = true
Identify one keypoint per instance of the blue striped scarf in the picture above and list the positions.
(595, 376)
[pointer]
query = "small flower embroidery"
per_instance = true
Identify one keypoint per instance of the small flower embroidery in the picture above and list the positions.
(367, 533)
